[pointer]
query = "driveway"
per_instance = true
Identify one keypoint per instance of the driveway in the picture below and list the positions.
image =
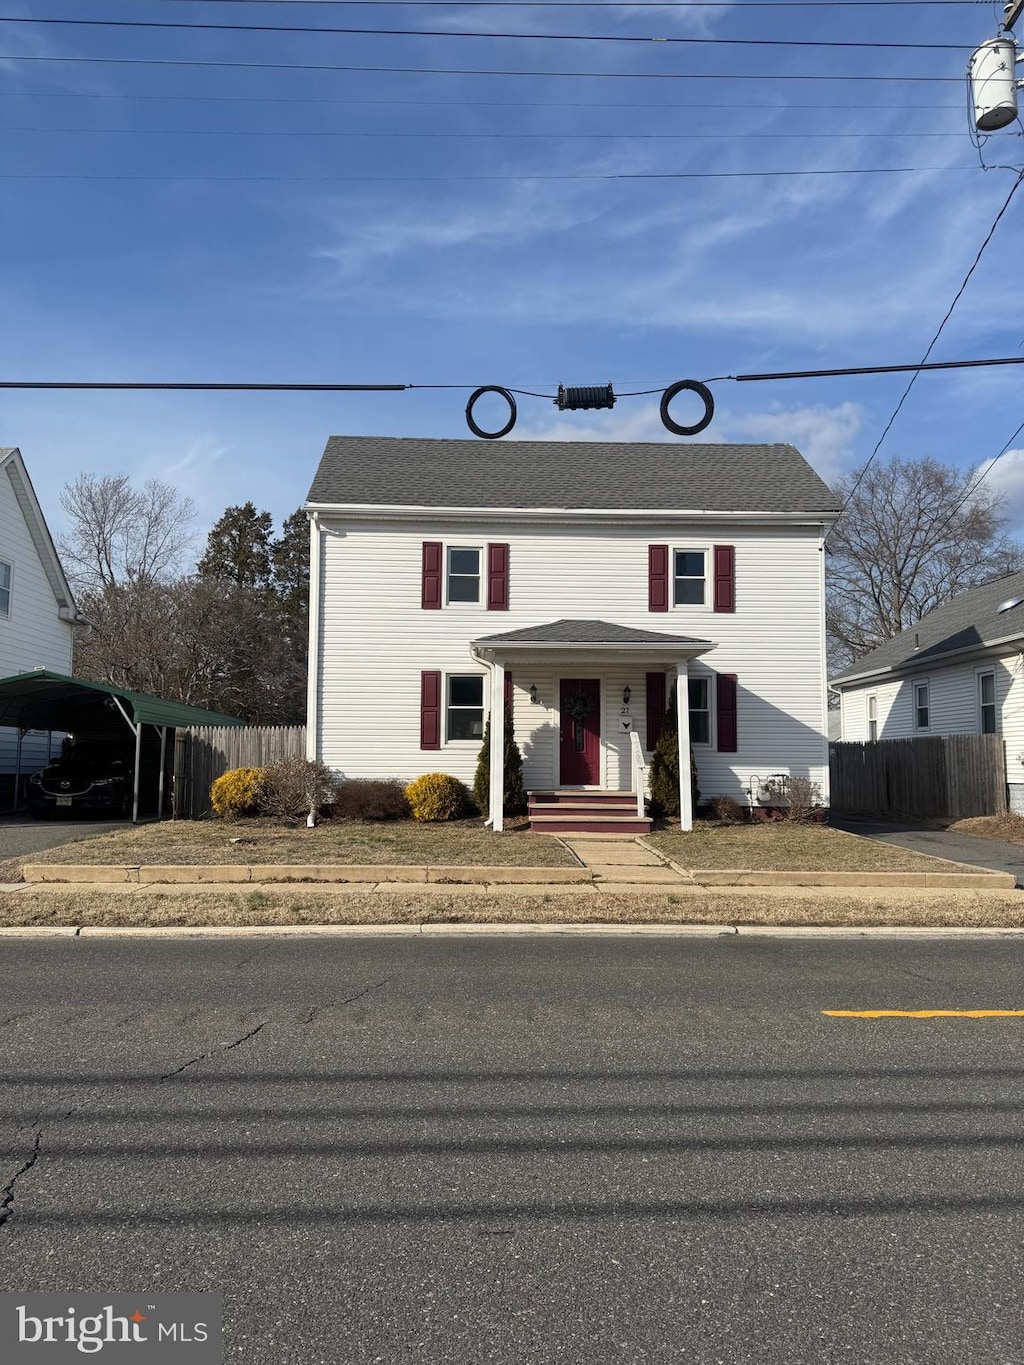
(940, 843)
(21, 835)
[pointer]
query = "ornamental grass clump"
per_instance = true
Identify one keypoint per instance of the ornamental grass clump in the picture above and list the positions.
(239, 791)
(437, 796)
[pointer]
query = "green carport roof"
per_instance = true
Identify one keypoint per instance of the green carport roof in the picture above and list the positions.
(50, 701)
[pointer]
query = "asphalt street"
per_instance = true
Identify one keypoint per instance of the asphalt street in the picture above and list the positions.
(527, 1150)
(20, 835)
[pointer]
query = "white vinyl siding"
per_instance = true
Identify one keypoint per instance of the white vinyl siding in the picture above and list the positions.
(375, 639)
(32, 635)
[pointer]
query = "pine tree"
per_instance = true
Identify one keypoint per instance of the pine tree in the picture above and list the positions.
(238, 548)
(515, 793)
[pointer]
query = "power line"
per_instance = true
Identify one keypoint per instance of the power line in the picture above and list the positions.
(676, 40)
(869, 369)
(194, 63)
(457, 135)
(401, 179)
(460, 104)
(663, 5)
(931, 345)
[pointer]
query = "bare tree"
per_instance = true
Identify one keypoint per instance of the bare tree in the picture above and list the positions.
(912, 537)
(118, 534)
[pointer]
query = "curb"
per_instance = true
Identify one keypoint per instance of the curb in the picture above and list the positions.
(80, 874)
(509, 930)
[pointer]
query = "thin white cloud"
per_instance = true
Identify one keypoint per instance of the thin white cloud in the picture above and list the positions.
(1005, 477)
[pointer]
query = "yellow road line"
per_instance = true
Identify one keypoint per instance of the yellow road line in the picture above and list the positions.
(924, 1014)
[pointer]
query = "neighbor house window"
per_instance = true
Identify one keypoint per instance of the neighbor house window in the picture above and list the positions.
(987, 702)
(700, 711)
(463, 575)
(689, 578)
(872, 718)
(465, 707)
(5, 588)
(921, 718)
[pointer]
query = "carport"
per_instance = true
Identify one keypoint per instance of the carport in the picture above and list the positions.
(42, 700)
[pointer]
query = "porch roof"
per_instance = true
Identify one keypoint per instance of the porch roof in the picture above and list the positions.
(591, 635)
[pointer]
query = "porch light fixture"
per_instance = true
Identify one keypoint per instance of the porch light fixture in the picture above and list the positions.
(533, 693)
(626, 694)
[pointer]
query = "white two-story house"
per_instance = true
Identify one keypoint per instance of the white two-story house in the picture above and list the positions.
(581, 582)
(37, 609)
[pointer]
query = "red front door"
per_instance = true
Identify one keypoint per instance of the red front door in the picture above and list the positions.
(580, 705)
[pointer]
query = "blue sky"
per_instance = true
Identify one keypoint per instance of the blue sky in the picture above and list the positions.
(315, 274)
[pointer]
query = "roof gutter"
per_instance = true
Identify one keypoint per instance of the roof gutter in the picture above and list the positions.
(415, 512)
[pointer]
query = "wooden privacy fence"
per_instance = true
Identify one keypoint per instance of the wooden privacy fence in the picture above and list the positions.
(201, 755)
(947, 777)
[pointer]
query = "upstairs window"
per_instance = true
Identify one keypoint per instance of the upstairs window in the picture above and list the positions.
(921, 708)
(872, 718)
(463, 574)
(987, 702)
(465, 707)
(5, 588)
(690, 578)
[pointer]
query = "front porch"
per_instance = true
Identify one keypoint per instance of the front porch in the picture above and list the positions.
(587, 702)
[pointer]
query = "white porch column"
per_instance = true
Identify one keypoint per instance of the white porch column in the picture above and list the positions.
(683, 719)
(497, 811)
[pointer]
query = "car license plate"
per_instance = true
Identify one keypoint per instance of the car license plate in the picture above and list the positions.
(63, 800)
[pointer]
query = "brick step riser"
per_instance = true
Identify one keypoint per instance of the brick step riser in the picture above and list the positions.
(590, 808)
(579, 798)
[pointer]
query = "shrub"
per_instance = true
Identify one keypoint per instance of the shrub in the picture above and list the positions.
(798, 798)
(295, 786)
(727, 810)
(437, 796)
(239, 791)
(515, 794)
(368, 798)
(664, 770)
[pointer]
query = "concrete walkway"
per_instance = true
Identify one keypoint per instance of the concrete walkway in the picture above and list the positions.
(940, 843)
(624, 863)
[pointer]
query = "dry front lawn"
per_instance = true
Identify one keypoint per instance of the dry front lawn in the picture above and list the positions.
(461, 843)
(219, 909)
(784, 847)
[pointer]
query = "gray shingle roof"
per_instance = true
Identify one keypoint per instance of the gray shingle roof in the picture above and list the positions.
(586, 633)
(605, 476)
(970, 621)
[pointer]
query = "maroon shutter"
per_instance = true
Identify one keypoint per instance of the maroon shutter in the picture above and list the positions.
(497, 578)
(727, 713)
(433, 555)
(430, 709)
(655, 707)
(508, 689)
(725, 578)
(657, 578)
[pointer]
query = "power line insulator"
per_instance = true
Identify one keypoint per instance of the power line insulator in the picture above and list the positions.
(587, 396)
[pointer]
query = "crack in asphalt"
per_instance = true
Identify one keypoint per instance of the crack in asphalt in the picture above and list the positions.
(7, 1200)
(223, 1047)
(337, 1004)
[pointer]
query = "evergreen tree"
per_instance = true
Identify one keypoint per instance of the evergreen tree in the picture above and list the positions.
(515, 793)
(238, 548)
(665, 766)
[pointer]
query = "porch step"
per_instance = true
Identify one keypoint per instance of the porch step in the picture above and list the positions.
(595, 823)
(573, 796)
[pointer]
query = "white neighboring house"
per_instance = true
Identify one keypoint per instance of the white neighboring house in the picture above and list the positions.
(578, 580)
(958, 671)
(37, 609)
